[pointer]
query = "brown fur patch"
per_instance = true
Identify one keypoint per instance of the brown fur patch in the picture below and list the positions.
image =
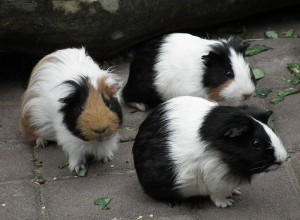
(214, 94)
(96, 115)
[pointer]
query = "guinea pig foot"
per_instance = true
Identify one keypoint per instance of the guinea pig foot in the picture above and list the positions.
(107, 158)
(223, 202)
(40, 143)
(79, 167)
(237, 192)
(140, 106)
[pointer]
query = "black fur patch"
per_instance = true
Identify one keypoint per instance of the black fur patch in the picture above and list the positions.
(74, 103)
(231, 131)
(218, 63)
(114, 105)
(150, 152)
(140, 88)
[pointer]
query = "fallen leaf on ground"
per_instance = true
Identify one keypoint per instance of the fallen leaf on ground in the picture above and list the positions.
(289, 33)
(271, 34)
(82, 173)
(277, 100)
(103, 202)
(3, 142)
(294, 68)
(129, 129)
(258, 74)
(287, 92)
(63, 166)
(256, 48)
(262, 92)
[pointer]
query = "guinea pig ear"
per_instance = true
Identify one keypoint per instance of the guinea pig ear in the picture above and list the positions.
(209, 58)
(264, 116)
(236, 131)
(244, 46)
(113, 85)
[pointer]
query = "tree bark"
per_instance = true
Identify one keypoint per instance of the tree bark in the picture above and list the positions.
(107, 26)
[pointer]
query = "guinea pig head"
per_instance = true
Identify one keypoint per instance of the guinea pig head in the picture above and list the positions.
(92, 111)
(246, 145)
(227, 76)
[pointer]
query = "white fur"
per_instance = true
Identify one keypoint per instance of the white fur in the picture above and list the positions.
(47, 88)
(179, 70)
(280, 151)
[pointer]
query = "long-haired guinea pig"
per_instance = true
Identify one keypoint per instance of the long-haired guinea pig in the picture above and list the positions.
(72, 101)
(185, 65)
(189, 146)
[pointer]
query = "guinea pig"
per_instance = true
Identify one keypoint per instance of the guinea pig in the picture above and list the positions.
(189, 146)
(185, 65)
(72, 101)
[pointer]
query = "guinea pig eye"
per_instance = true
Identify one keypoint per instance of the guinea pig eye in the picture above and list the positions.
(229, 74)
(256, 144)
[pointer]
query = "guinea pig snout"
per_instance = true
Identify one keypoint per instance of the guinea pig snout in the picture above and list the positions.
(101, 133)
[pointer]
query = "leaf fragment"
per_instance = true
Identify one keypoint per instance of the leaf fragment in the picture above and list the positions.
(287, 92)
(258, 74)
(271, 34)
(289, 33)
(129, 129)
(262, 92)
(82, 173)
(294, 68)
(63, 166)
(277, 100)
(103, 202)
(256, 48)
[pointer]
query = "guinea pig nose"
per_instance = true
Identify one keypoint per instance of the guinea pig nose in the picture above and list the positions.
(100, 131)
(247, 96)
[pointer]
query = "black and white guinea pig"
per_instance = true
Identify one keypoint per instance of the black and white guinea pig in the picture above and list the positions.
(185, 65)
(189, 146)
(70, 100)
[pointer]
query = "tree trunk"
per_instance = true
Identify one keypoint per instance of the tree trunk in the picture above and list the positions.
(108, 26)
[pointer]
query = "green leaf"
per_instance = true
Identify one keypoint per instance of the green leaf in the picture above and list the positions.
(287, 92)
(82, 173)
(262, 92)
(294, 68)
(255, 49)
(3, 142)
(103, 202)
(271, 34)
(285, 79)
(63, 166)
(295, 81)
(129, 129)
(277, 100)
(258, 74)
(289, 33)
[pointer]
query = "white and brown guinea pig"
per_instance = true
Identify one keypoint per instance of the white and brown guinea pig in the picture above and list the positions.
(189, 146)
(185, 65)
(72, 101)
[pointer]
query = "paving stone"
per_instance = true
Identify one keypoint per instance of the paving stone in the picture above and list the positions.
(270, 196)
(52, 156)
(16, 162)
(9, 122)
(18, 200)
(287, 124)
(73, 199)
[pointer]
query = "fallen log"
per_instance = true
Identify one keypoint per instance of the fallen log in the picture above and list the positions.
(107, 26)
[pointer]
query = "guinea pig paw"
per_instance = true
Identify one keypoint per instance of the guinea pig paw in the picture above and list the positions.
(223, 202)
(79, 167)
(107, 158)
(140, 106)
(237, 192)
(40, 143)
